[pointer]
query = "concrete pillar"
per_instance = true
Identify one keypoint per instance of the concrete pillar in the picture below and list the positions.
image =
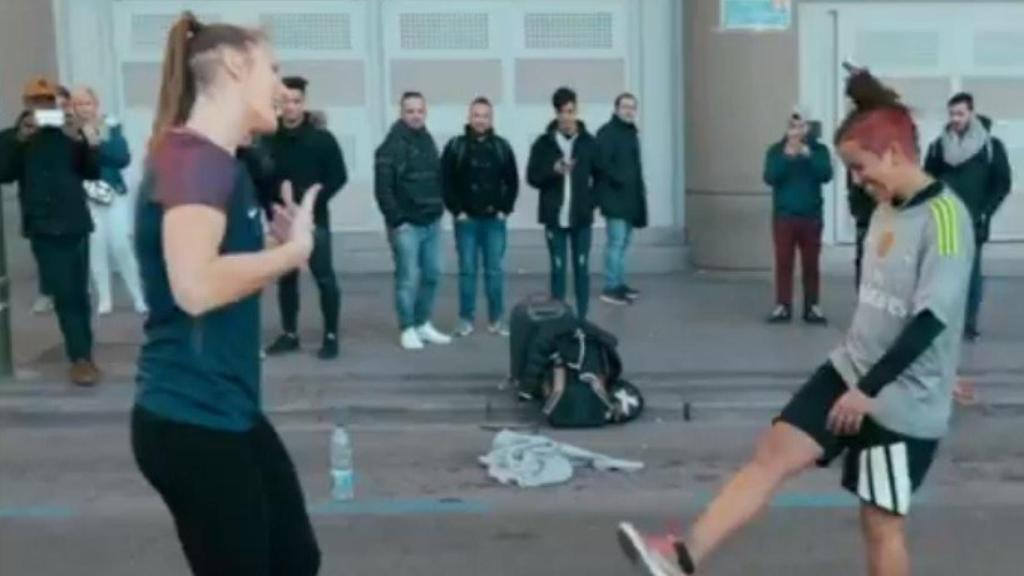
(740, 87)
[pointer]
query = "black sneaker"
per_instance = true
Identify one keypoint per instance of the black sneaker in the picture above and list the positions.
(630, 292)
(285, 344)
(971, 334)
(780, 315)
(329, 349)
(815, 316)
(617, 297)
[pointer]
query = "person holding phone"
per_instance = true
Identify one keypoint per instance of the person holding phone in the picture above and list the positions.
(796, 168)
(50, 157)
(109, 203)
(563, 167)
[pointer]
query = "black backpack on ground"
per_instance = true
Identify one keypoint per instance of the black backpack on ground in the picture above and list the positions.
(571, 367)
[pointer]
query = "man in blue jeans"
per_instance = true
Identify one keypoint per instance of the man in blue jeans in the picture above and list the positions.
(407, 184)
(563, 166)
(622, 195)
(481, 184)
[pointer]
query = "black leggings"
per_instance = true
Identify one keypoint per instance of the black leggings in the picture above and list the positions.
(235, 497)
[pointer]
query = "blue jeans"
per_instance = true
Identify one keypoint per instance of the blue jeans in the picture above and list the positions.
(417, 254)
(620, 232)
(976, 291)
(559, 240)
(477, 238)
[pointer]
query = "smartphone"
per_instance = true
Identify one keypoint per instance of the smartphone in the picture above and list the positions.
(814, 129)
(49, 118)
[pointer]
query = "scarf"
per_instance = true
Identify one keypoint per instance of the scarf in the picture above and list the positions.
(957, 149)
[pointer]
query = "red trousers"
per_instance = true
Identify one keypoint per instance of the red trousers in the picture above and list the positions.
(792, 233)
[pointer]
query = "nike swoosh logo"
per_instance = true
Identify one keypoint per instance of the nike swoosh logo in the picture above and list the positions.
(254, 212)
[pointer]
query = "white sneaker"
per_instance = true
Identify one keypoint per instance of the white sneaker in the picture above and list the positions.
(499, 328)
(105, 309)
(411, 339)
(141, 309)
(427, 333)
(42, 305)
(464, 329)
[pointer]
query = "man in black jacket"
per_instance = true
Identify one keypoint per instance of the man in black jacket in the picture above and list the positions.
(974, 164)
(305, 154)
(407, 184)
(622, 194)
(563, 167)
(49, 158)
(481, 183)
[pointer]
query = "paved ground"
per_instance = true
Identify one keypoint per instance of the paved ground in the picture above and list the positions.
(72, 502)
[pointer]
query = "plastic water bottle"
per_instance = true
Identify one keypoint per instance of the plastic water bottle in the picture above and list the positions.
(342, 471)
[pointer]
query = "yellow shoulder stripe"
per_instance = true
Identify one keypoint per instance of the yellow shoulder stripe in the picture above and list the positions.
(947, 225)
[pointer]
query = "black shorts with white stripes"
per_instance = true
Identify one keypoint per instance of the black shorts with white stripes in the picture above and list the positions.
(882, 468)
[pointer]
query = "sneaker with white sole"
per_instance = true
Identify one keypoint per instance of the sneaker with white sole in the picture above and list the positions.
(42, 305)
(411, 339)
(659, 555)
(499, 328)
(430, 335)
(464, 329)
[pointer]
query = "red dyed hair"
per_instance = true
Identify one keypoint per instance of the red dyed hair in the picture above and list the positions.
(879, 119)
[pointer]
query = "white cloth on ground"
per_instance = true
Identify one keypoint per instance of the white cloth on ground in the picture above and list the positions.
(529, 461)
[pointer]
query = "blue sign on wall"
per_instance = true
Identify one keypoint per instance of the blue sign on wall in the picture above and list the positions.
(754, 15)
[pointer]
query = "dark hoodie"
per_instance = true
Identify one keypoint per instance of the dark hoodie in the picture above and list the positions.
(49, 167)
(622, 192)
(796, 181)
(305, 156)
(479, 175)
(407, 177)
(982, 180)
(540, 173)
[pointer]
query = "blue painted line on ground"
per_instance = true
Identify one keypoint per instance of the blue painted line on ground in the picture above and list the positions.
(36, 512)
(414, 507)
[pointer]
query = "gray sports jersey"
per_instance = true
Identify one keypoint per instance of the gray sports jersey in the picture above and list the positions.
(916, 258)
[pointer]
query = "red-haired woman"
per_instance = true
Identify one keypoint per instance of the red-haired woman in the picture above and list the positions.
(198, 432)
(885, 396)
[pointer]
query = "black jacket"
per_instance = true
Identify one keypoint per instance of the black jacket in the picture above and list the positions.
(540, 173)
(307, 155)
(49, 168)
(479, 175)
(621, 191)
(982, 182)
(559, 341)
(862, 205)
(407, 177)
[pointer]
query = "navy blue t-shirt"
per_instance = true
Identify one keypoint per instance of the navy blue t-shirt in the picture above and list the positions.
(199, 370)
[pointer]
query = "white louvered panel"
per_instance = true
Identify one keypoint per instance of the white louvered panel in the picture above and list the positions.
(444, 31)
(569, 31)
(309, 31)
(888, 49)
(999, 48)
(149, 31)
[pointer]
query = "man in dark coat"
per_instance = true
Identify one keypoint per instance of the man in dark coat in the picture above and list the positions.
(622, 195)
(974, 163)
(563, 167)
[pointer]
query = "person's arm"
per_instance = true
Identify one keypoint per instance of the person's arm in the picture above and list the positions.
(511, 175)
(1001, 179)
(335, 173)
(608, 158)
(934, 164)
(449, 179)
(195, 197)
(540, 168)
(944, 268)
(821, 163)
(10, 155)
(384, 181)
(114, 150)
(87, 158)
(776, 165)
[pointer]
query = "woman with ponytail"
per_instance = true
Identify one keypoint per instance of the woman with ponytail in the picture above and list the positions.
(883, 399)
(198, 431)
